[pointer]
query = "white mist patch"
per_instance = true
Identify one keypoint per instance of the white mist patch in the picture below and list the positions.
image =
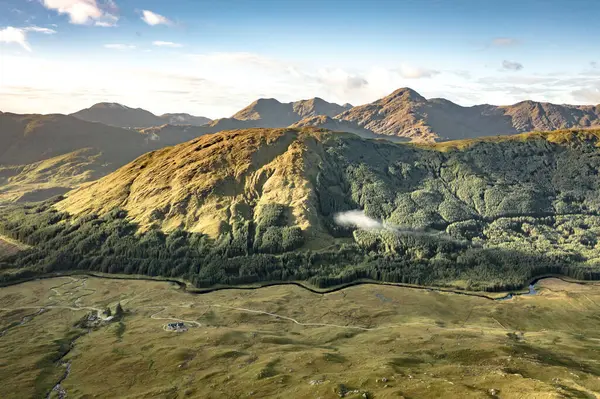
(357, 218)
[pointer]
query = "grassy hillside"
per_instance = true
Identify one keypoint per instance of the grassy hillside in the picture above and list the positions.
(261, 204)
(46, 155)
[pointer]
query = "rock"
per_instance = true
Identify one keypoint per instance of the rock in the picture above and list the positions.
(493, 392)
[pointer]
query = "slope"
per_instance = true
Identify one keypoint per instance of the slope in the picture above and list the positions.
(270, 113)
(185, 119)
(331, 208)
(45, 155)
(406, 113)
(32, 138)
(114, 114)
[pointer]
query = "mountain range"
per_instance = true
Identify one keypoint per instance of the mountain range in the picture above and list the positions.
(114, 114)
(406, 113)
(54, 153)
(402, 114)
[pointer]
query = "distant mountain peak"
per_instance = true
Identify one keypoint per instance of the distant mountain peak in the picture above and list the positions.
(405, 93)
(109, 105)
(266, 101)
(115, 114)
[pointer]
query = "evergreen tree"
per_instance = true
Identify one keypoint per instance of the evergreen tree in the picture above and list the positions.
(119, 311)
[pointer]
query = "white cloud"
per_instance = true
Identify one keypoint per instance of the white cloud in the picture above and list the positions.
(18, 36)
(37, 29)
(14, 35)
(83, 12)
(411, 72)
(153, 19)
(588, 94)
(511, 65)
(119, 46)
(357, 218)
(504, 41)
(220, 84)
(160, 43)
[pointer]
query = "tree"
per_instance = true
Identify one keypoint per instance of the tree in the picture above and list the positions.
(119, 311)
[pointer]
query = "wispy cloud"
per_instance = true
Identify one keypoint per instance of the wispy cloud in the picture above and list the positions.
(37, 29)
(160, 43)
(358, 219)
(219, 84)
(18, 36)
(504, 41)
(511, 65)
(588, 94)
(14, 35)
(153, 19)
(86, 12)
(119, 46)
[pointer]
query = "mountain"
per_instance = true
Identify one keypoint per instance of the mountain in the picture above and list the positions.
(184, 119)
(199, 184)
(166, 135)
(114, 114)
(406, 113)
(270, 113)
(46, 155)
(338, 125)
(31, 138)
(403, 114)
(255, 205)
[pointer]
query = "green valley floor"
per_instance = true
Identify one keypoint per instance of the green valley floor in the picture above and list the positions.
(365, 341)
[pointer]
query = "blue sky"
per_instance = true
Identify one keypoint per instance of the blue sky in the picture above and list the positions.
(213, 57)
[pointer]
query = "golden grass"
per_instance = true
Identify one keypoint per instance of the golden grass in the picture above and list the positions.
(8, 246)
(557, 136)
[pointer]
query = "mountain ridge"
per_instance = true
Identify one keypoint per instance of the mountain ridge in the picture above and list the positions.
(115, 114)
(403, 113)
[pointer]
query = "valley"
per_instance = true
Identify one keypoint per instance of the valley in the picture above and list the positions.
(286, 199)
(285, 341)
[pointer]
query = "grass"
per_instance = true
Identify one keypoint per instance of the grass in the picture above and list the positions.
(556, 136)
(423, 344)
(8, 246)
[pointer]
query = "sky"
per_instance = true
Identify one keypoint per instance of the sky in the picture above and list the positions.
(212, 58)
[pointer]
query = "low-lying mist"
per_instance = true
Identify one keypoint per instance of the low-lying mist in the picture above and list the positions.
(358, 219)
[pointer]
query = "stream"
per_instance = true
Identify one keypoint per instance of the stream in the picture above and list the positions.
(23, 321)
(60, 391)
(532, 291)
